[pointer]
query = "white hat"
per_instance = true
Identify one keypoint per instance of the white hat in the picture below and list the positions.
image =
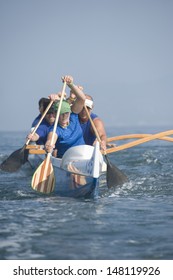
(89, 103)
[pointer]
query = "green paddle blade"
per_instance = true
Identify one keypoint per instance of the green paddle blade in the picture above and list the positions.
(114, 176)
(15, 160)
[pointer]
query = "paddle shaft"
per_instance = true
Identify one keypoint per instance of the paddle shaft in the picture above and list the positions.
(43, 179)
(93, 125)
(58, 113)
(55, 124)
(140, 141)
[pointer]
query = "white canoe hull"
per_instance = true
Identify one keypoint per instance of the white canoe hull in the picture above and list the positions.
(78, 173)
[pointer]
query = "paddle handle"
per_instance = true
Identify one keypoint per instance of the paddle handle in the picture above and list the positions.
(42, 117)
(140, 141)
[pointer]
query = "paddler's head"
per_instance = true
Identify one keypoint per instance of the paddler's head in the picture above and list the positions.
(64, 112)
(51, 114)
(83, 117)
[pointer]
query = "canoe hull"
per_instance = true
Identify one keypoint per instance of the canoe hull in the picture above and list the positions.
(76, 182)
(72, 184)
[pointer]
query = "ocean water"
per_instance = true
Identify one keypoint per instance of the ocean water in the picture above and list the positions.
(130, 222)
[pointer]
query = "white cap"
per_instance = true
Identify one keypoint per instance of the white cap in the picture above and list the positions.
(89, 103)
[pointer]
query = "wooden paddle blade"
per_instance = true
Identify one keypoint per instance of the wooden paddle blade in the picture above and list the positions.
(43, 179)
(15, 160)
(114, 176)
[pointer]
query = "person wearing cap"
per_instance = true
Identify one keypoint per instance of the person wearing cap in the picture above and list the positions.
(40, 136)
(68, 132)
(88, 132)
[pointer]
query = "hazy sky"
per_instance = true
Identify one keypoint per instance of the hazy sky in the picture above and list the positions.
(120, 51)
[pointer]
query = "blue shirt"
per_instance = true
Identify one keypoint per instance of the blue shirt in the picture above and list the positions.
(89, 136)
(35, 122)
(69, 136)
(43, 131)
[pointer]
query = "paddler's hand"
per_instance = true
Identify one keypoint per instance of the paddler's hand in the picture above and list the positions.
(103, 145)
(68, 80)
(48, 147)
(110, 145)
(56, 96)
(32, 137)
(29, 136)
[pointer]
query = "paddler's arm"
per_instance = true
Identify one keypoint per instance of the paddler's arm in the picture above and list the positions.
(80, 96)
(48, 147)
(101, 131)
(71, 99)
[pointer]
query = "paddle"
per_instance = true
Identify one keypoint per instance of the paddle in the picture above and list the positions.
(140, 141)
(43, 179)
(114, 176)
(130, 136)
(20, 156)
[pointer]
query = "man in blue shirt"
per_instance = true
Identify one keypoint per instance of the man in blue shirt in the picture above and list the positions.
(88, 132)
(40, 136)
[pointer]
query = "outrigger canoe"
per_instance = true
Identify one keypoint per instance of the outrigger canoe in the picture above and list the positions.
(78, 173)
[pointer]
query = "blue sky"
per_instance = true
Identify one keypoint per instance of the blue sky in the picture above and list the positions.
(120, 51)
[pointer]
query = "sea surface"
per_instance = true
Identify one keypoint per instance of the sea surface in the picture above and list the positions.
(129, 222)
